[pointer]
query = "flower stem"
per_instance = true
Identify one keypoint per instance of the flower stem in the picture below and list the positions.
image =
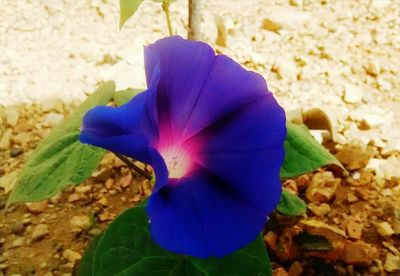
(165, 6)
(133, 166)
(194, 19)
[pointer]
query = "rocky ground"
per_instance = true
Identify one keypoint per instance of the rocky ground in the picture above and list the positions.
(340, 56)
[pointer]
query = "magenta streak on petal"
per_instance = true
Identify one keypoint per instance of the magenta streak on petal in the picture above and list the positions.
(180, 154)
(199, 139)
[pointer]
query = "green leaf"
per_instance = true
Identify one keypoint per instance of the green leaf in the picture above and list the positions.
(123, 96)
(291, 205)
(303, 154)
(61, 159)
(127, 10)
(85, 267)
(128, 249)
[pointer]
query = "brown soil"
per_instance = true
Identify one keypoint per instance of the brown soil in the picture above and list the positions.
(353, 206)
(340, 56)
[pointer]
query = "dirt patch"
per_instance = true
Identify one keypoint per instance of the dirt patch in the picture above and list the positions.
(339, 56)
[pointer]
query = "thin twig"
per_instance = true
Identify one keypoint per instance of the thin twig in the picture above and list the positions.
(194, 19)
(133, 166)
(165, 6)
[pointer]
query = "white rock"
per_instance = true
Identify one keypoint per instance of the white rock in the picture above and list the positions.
(319, 134)
(384, 229)
(292, 18)
(51, 105)
(53, 118)
(379, 4)
(374, 120)
(385, 168)
(287, 70)
(5, 140)
(352, 94)
(356, 175)
(391, 147)
(8, 181)
(392, 263)
(12, 116)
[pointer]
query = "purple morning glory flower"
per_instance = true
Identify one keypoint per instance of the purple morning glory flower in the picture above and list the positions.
(213, 134)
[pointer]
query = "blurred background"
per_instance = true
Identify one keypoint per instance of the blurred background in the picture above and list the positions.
(340, 56)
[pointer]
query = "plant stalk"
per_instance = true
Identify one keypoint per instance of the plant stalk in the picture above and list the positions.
(133, 166)
(194, 19)
(165, 7)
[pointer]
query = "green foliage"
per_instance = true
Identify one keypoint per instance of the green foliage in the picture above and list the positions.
(126, 248)
(291, 205)
(127, 10)
(61, 159)
(302, 153)
(123, 96)
(85, 267)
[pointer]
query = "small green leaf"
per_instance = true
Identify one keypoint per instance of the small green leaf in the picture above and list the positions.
(61, 159)
(127, 248)
(291, 205)
(303, 154)
(127, 10)
(123, 96)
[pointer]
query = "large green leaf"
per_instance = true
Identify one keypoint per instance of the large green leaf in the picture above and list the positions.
(85, 267)
(61, 159)
(302, 153)
(127, 248)
(123, 96)
(291, 205)
(127, 10)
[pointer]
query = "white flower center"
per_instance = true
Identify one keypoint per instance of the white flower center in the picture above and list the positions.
(177, 160)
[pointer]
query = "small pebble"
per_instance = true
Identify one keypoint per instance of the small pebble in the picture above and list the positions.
(71, 256)
(18, 228)
(37, 207)
(94, 231)
(17, 242)
(39, 232)
(14, 151)
(80, 223)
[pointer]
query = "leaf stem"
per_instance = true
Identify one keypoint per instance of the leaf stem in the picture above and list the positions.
(133, 166)
(165, 7)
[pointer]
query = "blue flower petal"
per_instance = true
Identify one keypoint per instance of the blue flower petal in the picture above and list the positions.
(235, 187)
(130, 129)
(184, 67)
(228, 88)
(201, 216)
(219, 129)
(247, 151)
